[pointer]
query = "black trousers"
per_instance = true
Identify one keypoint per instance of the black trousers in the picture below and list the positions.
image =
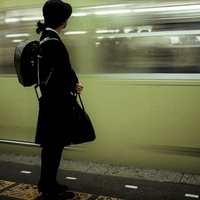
(50, 161)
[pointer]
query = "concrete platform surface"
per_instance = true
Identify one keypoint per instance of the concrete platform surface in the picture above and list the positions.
(19, 174)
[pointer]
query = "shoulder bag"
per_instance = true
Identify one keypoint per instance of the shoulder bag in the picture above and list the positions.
(82, 128)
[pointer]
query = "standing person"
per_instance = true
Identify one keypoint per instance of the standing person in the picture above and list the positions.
(54, 105)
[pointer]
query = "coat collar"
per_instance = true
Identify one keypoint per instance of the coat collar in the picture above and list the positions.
(50, 29)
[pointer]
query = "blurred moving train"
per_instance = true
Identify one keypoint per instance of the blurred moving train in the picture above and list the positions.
(139, 62)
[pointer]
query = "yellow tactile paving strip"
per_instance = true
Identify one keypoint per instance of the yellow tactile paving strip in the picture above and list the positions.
(5, 184)
(80, 196)
(106, 198)
(30, 192)
(22, 191)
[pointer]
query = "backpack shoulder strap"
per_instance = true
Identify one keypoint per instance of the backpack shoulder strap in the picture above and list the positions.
(47, 39)
(38, 70)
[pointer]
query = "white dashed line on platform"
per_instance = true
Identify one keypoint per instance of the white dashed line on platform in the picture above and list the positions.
(131, 186)
(192, 196)
(26, 172)
(71, 178)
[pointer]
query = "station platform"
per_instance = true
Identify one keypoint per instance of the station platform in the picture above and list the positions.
(19, 175)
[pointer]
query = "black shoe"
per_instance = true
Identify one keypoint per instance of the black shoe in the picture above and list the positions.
(69, 195)
(60, 187)
(56, 188)
(57, 196)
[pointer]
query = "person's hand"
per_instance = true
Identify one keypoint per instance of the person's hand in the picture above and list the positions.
(79, 88)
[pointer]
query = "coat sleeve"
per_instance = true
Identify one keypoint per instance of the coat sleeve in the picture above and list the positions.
(63, 75)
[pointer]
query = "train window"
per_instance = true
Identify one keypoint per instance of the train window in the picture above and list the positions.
(116, 38)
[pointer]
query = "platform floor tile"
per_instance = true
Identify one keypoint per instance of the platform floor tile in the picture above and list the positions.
(80, 196)
(106, 198)
(5, 184)
(22, 191)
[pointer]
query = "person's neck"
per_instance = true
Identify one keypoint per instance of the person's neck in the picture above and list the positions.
(59, 29)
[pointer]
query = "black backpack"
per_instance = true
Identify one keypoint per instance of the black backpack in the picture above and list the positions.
(27, 58)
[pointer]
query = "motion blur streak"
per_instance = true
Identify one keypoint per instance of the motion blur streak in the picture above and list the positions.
(139, 37)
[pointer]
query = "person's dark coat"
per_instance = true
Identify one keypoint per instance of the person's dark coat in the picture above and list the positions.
(53, 126)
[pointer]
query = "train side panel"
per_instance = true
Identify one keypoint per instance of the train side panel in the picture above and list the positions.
(139, 123)
(139, 64)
